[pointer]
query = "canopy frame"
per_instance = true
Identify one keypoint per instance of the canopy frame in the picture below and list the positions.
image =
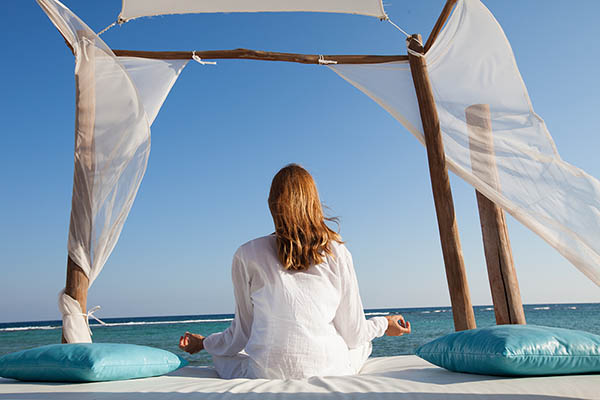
(453, 258)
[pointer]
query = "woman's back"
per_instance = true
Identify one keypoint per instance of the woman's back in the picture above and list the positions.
(293, 332)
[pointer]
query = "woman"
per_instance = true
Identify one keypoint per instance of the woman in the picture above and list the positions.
(298, 310)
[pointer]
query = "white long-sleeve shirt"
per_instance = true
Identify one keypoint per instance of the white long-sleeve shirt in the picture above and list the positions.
(293, 324)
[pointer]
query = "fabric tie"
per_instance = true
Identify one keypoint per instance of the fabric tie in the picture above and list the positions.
(322, 61)
(199, 60)
(89, 314)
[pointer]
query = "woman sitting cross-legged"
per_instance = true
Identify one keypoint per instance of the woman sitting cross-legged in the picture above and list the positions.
(298, 310)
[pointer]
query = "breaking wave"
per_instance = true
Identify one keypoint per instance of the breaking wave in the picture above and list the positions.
(127, 323)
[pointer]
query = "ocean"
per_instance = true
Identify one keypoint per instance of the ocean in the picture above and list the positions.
(164, 332)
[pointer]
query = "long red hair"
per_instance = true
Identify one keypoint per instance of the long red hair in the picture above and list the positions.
(303, 237)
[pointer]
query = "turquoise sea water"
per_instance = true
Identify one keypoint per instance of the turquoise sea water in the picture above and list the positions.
(164, 332)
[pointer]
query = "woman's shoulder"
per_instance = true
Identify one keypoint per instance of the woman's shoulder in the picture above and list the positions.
(256, 246)
(338, 249)
(338, 256)
(266, 240)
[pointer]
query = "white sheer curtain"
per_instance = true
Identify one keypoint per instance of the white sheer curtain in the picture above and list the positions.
(117, 100)
(472, 63)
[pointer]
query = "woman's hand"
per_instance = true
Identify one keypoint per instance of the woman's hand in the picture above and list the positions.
(397, 326)
(191, 342)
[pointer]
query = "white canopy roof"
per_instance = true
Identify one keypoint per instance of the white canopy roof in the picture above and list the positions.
(145, 8)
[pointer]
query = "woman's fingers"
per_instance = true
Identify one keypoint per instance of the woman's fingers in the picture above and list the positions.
(184, 343)
(191, 343)
(400, 320)
(397, 326)
(405, 327)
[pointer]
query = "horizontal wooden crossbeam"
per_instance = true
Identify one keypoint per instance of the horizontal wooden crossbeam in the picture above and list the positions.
(247, 54)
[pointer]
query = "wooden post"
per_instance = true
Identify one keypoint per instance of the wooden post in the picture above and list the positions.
(439, 24)
(506, 295)
(85, 117)
(77, 283)
(76, 286)
(462, 308)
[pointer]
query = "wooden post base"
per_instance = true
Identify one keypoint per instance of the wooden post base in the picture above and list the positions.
(76, 286)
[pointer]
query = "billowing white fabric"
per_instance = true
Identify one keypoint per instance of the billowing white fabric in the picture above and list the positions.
(144, 8)
(382, 378)
(153, 80)
(391, 86)
(293, 324)
(74, 321)
(472, 63)
(117, 100)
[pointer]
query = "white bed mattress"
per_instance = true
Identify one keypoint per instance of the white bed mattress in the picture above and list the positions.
(402, 377)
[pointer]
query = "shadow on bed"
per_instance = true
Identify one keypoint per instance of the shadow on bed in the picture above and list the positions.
(435, 376)
(270, 396)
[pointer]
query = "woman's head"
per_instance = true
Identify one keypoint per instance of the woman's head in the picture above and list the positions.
(302, 235)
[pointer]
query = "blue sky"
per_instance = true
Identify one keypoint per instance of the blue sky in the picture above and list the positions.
(226, 129)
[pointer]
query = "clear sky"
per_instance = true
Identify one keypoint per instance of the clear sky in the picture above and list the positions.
(226, 129)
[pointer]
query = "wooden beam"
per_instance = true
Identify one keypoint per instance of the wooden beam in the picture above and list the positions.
(67, 43)
(462, 309)
(439, 24)
(85, 117)
(247, 54)
(77, 285)
(504, 285)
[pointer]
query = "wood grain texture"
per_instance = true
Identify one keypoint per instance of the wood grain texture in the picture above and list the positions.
(439, 24)
(76, 285)
(247, 54)
(462, 308)
(504, 285)
(85, 118)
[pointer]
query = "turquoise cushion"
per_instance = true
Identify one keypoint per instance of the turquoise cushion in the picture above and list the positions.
(88, 362)
(515, 350)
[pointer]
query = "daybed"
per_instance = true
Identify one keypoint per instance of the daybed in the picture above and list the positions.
(401, 377)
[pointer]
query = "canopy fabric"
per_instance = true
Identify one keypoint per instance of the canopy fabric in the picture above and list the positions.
(117, 100)
(153, 80)
(472, 63)
(145, 8)
(75, 326)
